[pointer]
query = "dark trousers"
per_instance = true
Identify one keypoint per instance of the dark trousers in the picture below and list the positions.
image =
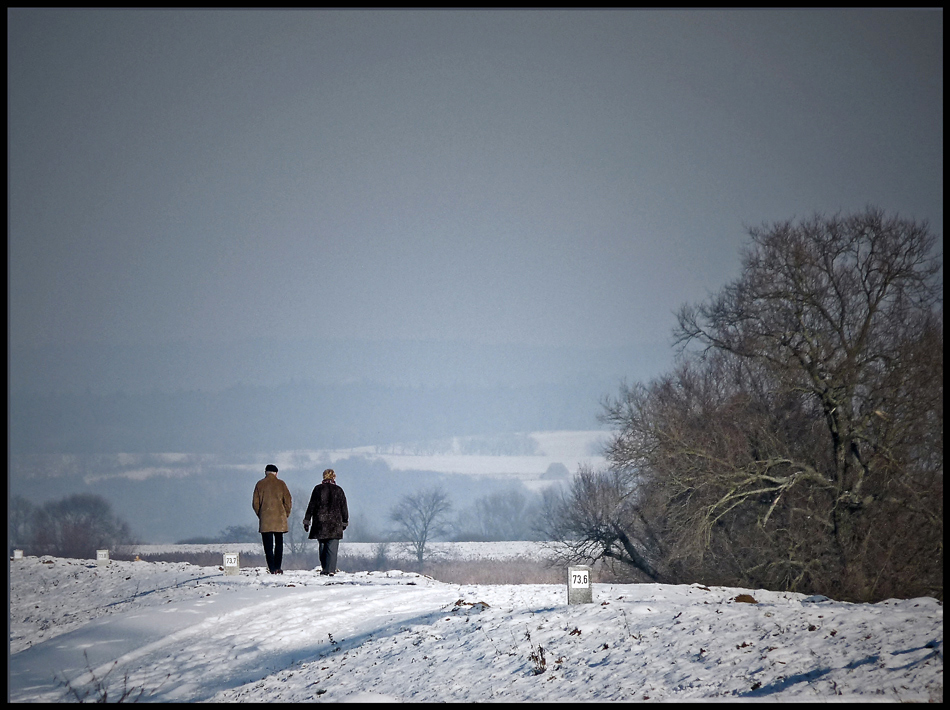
(273, 549)
(328, 550)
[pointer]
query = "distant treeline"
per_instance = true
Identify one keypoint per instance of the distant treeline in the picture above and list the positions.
(200, 495)
(293, 415)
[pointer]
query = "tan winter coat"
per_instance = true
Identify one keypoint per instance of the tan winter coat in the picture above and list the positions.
(272, 503)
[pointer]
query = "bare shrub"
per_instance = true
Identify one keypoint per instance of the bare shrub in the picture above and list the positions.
(538, 661)
(98, 689)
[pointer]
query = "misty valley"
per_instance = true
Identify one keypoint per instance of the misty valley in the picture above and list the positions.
(169, 498)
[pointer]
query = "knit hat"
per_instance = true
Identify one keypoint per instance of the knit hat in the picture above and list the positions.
(269, 468)
(329, 475)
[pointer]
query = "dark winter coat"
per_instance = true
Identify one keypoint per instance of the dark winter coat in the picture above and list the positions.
(272, 504)
(328, 512)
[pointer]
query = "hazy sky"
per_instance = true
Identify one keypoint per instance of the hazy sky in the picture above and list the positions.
(530, 177)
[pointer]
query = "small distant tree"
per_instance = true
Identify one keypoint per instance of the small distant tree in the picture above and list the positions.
(502, 515)
(22, 514)
(599, 517)
(296, 538)
(556, 472)
(360, 530)
(77, 526)
(419, 517)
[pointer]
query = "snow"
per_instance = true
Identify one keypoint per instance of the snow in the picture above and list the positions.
(180, 632)
(570, 448)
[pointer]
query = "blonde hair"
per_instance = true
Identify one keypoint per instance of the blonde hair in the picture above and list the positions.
(329, 475)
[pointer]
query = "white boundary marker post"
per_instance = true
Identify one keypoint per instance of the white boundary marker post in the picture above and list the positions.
(18, 554)
(579, 586)
(232, 563)
(102, 558)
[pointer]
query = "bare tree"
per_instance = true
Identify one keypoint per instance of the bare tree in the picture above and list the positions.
(599, 517)
(296, 539)
(77, 526)
(421, 516)
(839, 310)
(800, 446)
(361, 530)
(502, 515)
(22, 516)
(708, 449)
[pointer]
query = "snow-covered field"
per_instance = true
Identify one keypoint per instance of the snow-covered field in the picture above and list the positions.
(180, 632)
(571, 449)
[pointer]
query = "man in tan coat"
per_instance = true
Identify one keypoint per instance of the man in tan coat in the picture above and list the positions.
(272, 505)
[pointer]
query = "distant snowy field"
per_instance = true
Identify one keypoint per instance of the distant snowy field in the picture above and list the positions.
(571, 449)
(177, 632)
(452, 456)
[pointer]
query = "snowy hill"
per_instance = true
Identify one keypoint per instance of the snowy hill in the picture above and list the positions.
(179, 632)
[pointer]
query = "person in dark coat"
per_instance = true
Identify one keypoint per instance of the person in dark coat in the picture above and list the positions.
(328, 512)
(272, 504)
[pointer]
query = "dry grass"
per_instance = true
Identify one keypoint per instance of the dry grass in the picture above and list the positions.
(513, 571)
(305, 560)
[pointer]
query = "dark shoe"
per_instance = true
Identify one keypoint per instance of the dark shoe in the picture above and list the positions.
(280, 571)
